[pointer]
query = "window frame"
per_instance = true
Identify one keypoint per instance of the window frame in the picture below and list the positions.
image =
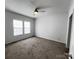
(26, 26)
(23, 27)
(18, 27)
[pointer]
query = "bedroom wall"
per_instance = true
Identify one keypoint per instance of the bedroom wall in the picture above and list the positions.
(52, 27)
(9, 16)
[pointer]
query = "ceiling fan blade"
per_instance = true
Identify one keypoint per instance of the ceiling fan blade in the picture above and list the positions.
(41, 11)
(44, 7)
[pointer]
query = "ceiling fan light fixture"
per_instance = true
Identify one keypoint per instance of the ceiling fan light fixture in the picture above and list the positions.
(35, 12)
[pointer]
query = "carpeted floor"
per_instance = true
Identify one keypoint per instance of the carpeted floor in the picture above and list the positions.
(35, 48)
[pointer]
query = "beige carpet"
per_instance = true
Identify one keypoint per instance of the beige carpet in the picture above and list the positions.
(35, 48)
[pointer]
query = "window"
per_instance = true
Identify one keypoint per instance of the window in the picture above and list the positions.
(21, 27)
(18, 27)
(27, 27)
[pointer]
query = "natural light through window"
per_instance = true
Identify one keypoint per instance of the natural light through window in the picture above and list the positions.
(27, 27)
(18, 27)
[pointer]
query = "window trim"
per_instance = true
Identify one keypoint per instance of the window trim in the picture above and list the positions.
(23, 27)
(29, 27)
(14, 27)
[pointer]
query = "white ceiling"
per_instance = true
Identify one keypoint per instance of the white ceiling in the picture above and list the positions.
(26, 7)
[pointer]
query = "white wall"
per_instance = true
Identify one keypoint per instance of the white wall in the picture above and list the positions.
(52, 27)
(9, 16)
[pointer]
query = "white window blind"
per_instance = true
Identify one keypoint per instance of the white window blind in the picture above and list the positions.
(27, 28)
(17, 27)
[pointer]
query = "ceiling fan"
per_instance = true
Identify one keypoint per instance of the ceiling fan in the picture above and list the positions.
(40, 9)
(37, 10)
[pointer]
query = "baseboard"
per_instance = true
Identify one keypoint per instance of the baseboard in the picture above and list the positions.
(16, 41)
(51, 40)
